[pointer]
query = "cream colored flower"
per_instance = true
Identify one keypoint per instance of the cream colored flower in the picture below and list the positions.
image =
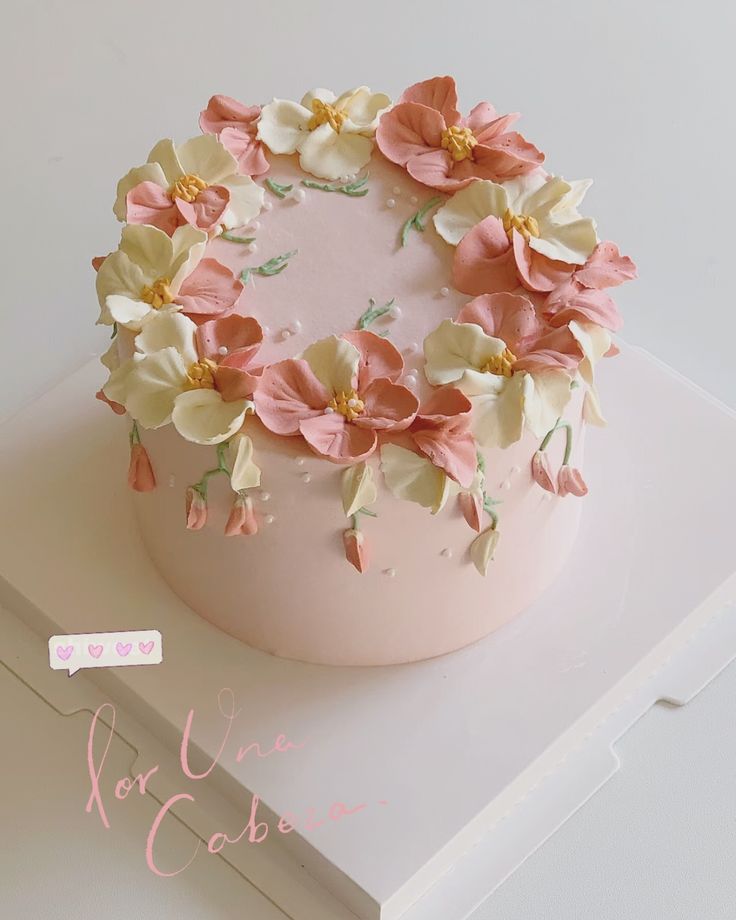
(333, 135)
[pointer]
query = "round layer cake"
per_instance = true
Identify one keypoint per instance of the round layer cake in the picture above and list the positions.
(356, 344)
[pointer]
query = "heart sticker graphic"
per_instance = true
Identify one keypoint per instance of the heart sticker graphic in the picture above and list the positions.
(123, 650)
(146, 647)
(94, 650)
(64, 651)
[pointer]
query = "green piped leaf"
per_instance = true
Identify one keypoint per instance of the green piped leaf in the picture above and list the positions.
(373, 313)
(355, 189)
(416, 221)
(278, 189)
(232, 238)
(273, 267)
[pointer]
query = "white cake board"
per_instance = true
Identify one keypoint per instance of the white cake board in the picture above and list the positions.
(453, 745)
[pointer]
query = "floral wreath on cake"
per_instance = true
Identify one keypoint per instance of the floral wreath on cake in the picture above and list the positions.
(538, 321)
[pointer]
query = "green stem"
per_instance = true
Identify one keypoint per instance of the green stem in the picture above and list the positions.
(568, 443)
(231, 238)
(135, 435)
(568, 438)
(221, 467)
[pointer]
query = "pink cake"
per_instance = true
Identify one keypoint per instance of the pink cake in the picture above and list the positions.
(355, 342)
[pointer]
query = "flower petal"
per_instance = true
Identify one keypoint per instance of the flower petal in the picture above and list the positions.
(414, 478)
(454, 348)
(537, 272)
(153, 384)
(150, 172)
(332, 155)
(334, 362)
(288, 392)
(205, 156)
(149, 248)
(388, 406)
(378, 357)
(606, 267)
(451, 447)
(330, 436)
(118, 274)
(246, 201)
(439, 93)
(571, 301)
(283, 126)
(408, 130)
(164, 154)
(148, 203)
(203, 417)
(244, 473)
(469, 207)
(166, 330)
(359, 489)
(505, 157)
(127, 312)
(207, 209)
(210, 290)
(363, 108)
(247, 150)
(509, 317)
(224, 111)
(483, 548)
(498, 413)
(484, 261)
(545, 396)
(239, 337)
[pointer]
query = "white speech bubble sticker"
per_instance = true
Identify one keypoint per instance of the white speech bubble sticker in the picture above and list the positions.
(105, 650)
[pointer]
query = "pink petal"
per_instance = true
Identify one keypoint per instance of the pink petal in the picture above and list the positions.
(557, 349)
(378, 358)
(205, 211)
(537, 272)
(332, 437)
(240, 336)
(242, 520)
(542, 472)
(484, 261)
(570, 301)
(148, 203)
(510, 317)
(224, 111)
(606, 267)
(486, 125)
(247, 150)
(232, 383)
(444, 402)
(471, 505)
(196, 509)
(504, 157)
(356, 549)
(451, 447)
(409, 130)
(481, 115)
(287, 393)
(388, 406)
(570, 482)
(436, 169)
(140, 472)
(211, 289)
(439, 93)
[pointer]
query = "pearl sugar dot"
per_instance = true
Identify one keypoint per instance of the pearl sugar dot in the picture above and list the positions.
(306, 477)
(269, 518)
(391, 203)
(222, 350)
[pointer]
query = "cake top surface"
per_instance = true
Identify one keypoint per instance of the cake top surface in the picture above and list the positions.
(395, 280)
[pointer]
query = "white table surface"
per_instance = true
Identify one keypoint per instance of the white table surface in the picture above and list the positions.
(635, 94)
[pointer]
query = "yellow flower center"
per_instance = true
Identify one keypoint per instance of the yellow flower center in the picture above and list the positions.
(501, 365)
(201, 375)
(459, 143)
(325, 114)
(187, 187)
(347, 404)
(158, 294)
(527, 226)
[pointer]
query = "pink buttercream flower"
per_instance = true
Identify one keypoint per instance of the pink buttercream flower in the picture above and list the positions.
(236, 127)
(570, 481)
(425, 133)
(338, 395)
(196, 509)
(542, 472)
(471, 506)
(140, 472)
(242, 520)
(442, 433)
(582, 296)
(227, 347)
(356, 549)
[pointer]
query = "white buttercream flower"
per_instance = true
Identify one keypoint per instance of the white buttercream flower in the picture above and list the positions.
(333, 135)
(166, 381)
(195, 183)
(543, 209)
(504, 399)
(146, 272)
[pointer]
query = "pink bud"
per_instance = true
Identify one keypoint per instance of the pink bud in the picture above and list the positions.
(196, 509)
(140, 471)
(471, 505)
(356, 549)
(242, 520)
(542, 472)
(570, 481)
(116, 407)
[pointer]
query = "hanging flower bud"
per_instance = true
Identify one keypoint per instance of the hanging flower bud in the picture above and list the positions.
(140, 472)
(483, 548)
(570, 481)
(242, 520)
(196, 509)
(471, 505)
(356, 548)
(542, 472)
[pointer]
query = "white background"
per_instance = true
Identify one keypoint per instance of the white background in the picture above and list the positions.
(637, 94)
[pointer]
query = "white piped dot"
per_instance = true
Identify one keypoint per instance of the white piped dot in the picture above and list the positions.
(412, 348)
(295, 327)
(306, 477)
(285, 334)
(395, 312)
(391, 573)
(391, 203)
(265, 496)
(222, 350)
(414, 199)
(269, 518)
(352, 403)
(300, 461)
(298, 195)
(447, 552)
(266, 331)
(396, 190)
(267, 205)
(328, 411)
(444, 291)
(252, 247)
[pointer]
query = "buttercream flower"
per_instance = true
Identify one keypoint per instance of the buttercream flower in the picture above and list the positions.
(425, 133)
(514, 371)
(542, 472)
(196, 509)
(527, 231)
(570, 481)
(236, 127)
(333, 135)
(582, 296)
(356, 548)
(152, 271)
(168, 379)
(242, 520)
(442, 433)
(140, 472)
(338, 395)
(196, 183)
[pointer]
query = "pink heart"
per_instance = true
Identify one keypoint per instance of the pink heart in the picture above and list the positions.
(94, 650)
(64, 651)
(146, 647)
(123, 650)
